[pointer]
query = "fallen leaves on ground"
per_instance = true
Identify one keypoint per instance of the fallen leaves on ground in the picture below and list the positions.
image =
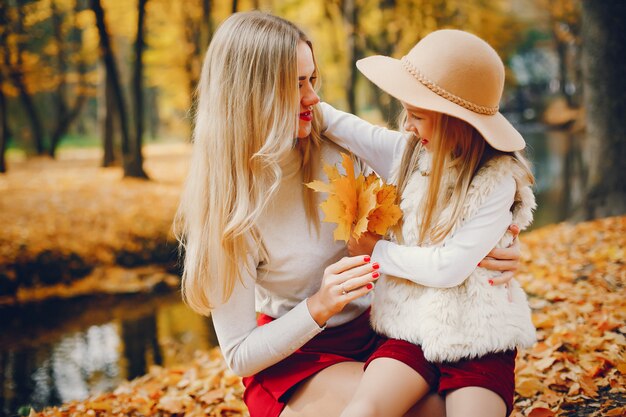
(575, 277)
(63, 219)
(71, 205)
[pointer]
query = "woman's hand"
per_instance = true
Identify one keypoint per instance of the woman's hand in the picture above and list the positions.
(365, 244)
(505, 260)
(344, 281)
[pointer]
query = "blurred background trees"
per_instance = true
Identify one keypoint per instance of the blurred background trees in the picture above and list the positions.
(119, 77)
(113, 73)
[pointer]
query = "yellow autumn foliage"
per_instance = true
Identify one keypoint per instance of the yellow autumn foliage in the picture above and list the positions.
(357, 203)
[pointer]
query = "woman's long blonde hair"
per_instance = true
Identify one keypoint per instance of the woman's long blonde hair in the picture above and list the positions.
(245, 123)
(457, 145)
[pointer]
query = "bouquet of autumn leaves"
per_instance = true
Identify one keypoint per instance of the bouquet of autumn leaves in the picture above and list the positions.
(357, 204)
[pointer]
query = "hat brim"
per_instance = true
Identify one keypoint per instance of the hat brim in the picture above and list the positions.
(390, 76)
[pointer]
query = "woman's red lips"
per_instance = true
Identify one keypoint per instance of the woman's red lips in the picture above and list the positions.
(307, 116)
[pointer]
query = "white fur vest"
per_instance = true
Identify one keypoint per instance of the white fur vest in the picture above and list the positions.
(474, 318)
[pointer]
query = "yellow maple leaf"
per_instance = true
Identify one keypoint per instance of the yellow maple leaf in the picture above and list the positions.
(335, 212)
(387, 213)
(366, 202)
(356, 203)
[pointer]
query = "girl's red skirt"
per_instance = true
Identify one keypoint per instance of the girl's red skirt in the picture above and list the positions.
(268, 392)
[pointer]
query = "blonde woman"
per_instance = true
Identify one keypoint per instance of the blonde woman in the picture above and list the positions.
(251, 231)
(462, 182)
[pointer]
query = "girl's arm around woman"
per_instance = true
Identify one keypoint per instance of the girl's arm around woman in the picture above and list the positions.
(377, 146)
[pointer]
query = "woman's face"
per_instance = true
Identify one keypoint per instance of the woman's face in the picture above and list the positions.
(419, 122)
(308, 97)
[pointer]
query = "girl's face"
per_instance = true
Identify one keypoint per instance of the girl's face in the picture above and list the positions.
(308, 96)
(419, 122)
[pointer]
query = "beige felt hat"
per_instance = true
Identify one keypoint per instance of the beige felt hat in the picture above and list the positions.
(451, 72)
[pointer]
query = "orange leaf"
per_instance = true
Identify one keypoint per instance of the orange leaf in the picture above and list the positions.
(331, 172)
(173, 403)
(366, 202)
(545, 363)
(541, 412)
(619, 411)
(320, 186)
(589, 386)
(528, 387)
(387, 213)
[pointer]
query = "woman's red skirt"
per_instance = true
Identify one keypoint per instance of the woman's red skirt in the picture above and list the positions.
(268, 392)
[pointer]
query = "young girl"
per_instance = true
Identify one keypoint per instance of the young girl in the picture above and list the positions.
(462, 182)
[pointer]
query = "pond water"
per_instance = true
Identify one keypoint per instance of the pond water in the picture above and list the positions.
(560, 173)
(59, 351)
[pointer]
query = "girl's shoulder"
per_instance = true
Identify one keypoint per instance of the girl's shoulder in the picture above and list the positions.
(507, 169)
(504, 166)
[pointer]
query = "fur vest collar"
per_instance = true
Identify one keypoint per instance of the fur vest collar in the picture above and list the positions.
(474, 318)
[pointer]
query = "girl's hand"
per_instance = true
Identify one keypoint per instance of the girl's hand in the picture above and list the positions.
(344, 281)
(365, 244)
(505, 260)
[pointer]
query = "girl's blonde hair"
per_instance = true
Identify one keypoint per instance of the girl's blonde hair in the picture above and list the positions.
(457, 145)
(245, 123)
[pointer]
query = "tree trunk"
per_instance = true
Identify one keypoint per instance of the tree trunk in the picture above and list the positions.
(206, 29)
(153, 113)
(604, 66)
(17, 77)
(134, 166)
(116, 87)
(4, 129)
(61, 90)
(350, 15)
(384, 43)
(108, 130)
(65, 114)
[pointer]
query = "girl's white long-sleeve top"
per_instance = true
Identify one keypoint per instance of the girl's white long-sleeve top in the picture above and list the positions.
(440, 267)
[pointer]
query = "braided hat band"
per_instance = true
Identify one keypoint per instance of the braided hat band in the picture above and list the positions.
(476, 108)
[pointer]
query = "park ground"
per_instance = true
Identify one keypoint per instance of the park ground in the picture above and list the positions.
(71, 212)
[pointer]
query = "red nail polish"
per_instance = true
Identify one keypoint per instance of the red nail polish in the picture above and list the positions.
(478, 264)
(491, 282)
(375, 274)
(369, 286)
(366, 259)
(375, 265)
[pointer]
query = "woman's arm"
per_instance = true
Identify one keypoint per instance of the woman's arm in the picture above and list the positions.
(249, 348)
(449, 265)
(375, 145)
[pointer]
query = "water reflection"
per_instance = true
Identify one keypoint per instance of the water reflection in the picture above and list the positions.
(559, 170)
(88, 346)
